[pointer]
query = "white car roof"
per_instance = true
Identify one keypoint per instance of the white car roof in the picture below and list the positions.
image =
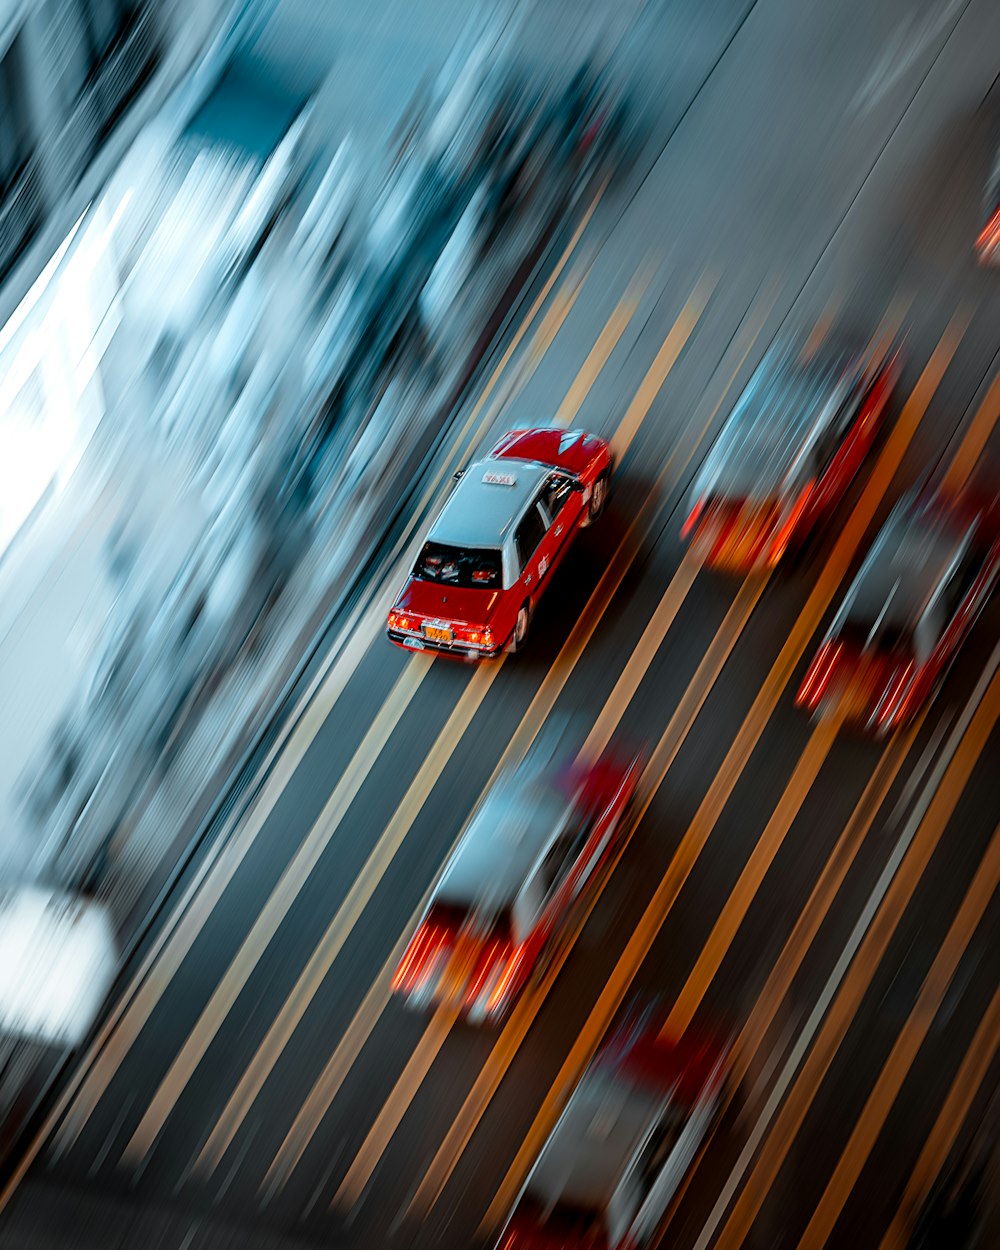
(488, 500)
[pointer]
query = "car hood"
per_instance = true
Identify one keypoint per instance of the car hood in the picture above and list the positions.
(566, 449)
(447, 603)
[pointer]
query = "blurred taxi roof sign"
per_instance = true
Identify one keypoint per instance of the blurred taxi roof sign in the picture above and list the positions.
(57, 962)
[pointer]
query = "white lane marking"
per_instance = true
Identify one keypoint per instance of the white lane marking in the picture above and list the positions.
(812, 1024)
(903, 49)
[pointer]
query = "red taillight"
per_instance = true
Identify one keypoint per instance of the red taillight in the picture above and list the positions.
(420, 955)
(818, 677)
(693, 516)
(509, 970)
(399, 620)
(784, 534)
(475, 636)
(992, 227)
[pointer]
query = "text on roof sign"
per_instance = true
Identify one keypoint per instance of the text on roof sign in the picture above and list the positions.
(491, 478)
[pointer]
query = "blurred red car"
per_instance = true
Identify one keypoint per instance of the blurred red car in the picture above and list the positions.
(493, 549)
(918, 593)
(988, 239)
(505, 896)
(789, 450)
(622, 1146)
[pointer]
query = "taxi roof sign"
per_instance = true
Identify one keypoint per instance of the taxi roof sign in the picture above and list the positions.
(492, 478)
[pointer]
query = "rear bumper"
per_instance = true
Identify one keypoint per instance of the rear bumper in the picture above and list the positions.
(457, 650)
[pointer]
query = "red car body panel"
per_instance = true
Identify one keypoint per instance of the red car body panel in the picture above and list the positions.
(455, 963)
(737, 535)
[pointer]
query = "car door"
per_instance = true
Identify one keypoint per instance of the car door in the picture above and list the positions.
(530, 547)
(562, 503)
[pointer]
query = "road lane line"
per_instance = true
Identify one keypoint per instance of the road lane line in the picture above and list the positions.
(507, 1045)
(726, 778)
(821, 898)
(357, 898)
(343, 921)
(908, 1043)
(968, 1080)
(761, 858)
(296, 872)
(404, 1091)
(800, 940)
(606, 342)
(677, 589)
(328, 1084)
(974, 440)
(284, 1025)
(135, 1005)
(852, 974)
(665, 360)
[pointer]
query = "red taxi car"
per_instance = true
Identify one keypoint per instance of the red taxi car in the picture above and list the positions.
(622, 1146)
(917, 594)
(495, 545)
(788, 451)
(503, 900)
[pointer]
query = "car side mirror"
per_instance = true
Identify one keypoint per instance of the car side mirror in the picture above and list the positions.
(459, 474)
(577, 485)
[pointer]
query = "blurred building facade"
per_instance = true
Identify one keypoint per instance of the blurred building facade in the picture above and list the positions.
(77, 80)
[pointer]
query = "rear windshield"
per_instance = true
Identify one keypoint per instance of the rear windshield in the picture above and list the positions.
(890, 637)
(566, 1220)
(458, 916)
(472, 568)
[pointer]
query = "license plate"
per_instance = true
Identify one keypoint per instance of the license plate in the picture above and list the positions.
(437, 633)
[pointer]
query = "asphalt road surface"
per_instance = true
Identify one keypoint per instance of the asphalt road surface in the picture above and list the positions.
(830, 899)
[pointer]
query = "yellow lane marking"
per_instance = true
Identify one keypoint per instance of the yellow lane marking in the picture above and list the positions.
(844, 1008)
(642, 656)
(358, 897)
(328, 1084)
(754, 870)
(911, 1037)
(387, 1121)
(835, 870)
(968, 1080)
(343, 922)
(728, 774)
(665, 360)
(974, 440)
(509, 1042)
(799, 942)
(600, 353)
(136, 1004)
(295, 1005)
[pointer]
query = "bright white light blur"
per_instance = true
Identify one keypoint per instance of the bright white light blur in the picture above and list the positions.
(57, 961)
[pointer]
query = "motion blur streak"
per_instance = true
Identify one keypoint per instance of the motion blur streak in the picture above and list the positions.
(975, 439)
(862, 969)
(779, 981)
(761, 858)
(493, 1072)
(836, 868)
(394, 1108)
(973, 1071)
(911, 1037)
(361, 891)
(137, 1003)
(340, 926)
(329, 1082)
(729, 772)
(600, 353)
(387, 1121)
(666, 357)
